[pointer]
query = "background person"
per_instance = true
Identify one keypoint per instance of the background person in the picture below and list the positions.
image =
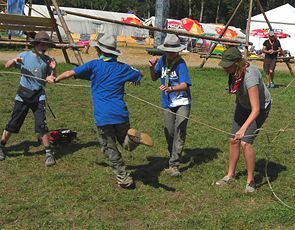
(271, 48)
(253, 102)
(108, 78)
(176, 97)
(31, 94)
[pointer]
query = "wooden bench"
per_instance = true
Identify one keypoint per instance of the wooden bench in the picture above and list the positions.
(25, 23)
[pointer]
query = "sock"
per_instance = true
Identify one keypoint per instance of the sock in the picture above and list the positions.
(48, 151)
(2, 143)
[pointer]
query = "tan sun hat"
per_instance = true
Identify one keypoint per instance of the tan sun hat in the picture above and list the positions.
(42, 37)
(171, 44)
(107, 44)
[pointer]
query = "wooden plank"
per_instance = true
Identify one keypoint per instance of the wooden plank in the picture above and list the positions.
(24, 27)
(27, 20)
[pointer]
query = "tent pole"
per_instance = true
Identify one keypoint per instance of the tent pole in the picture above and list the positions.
(263, 13)
(212, 47)
(246, 52)
(29, 14)
(180, 33)
(55, 26)
(68, 34)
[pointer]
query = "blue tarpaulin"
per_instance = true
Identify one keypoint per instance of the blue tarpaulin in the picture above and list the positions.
(15, 7)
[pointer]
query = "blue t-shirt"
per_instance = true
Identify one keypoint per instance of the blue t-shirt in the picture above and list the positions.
(107, 89)
(33, 65)
(179, 74)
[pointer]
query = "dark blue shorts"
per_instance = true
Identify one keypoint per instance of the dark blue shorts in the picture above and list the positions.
(19, 113)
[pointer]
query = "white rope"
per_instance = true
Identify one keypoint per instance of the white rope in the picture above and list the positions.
(194, 120)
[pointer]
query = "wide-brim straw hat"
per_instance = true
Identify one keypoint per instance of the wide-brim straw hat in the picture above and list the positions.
(42, 37)
(171, 44)
(107, 44)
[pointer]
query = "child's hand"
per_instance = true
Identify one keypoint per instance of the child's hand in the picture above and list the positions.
(18, 59)
(52, 63)
(153, 61)
(50, 78)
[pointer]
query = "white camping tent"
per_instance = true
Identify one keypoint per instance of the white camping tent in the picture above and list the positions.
(90, 26)
(281, 18)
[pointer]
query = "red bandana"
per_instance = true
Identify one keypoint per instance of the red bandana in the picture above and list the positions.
(235, 81)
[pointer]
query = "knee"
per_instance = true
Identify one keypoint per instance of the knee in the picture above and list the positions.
(233, 142)
(246, 145)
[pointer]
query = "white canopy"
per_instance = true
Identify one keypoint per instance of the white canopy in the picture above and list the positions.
(90, 26)
(281, 18)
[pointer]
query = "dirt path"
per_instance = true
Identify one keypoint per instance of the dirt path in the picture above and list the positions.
(132, 56)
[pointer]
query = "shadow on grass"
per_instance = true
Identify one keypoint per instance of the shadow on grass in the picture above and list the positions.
(23, 148)
(198, 156)
(273, 170)
(149, 173)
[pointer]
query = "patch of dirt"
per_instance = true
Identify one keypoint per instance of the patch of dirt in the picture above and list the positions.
(133, 56)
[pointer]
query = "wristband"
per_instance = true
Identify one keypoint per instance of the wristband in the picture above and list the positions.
(54, 80)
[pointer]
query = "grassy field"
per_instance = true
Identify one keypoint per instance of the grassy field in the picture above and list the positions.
(80, 192)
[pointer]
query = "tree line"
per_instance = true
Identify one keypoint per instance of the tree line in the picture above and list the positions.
(209, 11)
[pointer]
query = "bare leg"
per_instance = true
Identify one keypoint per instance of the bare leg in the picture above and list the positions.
(234, 153)
(271, 76)
(45, 139)
(5, 137)
(249, 160)
(268, 79)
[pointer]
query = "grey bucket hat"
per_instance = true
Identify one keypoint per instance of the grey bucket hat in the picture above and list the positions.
(107, 44)
(42, 37)
(171, 44)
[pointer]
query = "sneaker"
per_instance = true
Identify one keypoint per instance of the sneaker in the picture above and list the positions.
(225, 180)
(250, 187)
(271, 85)
(125, 181)
(50, 160)
(2, 154)
(140, 138)
(173, 171)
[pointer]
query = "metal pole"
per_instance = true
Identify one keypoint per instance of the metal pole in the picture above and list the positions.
(162, 13)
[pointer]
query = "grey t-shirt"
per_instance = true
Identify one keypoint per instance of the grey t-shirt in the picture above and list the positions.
(252, 78)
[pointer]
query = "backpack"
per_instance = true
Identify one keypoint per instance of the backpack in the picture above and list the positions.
(61, 136)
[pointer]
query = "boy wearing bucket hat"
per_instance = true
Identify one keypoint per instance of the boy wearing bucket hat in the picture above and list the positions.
(253, 102)
(108, 77)
(176, 97)
(271, 48)
(33, 65)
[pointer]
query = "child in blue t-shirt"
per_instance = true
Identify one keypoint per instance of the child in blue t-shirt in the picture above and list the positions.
(176, 97)
(31, 94)
(108, 77)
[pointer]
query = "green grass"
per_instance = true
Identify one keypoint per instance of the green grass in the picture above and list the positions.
(81, 193)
